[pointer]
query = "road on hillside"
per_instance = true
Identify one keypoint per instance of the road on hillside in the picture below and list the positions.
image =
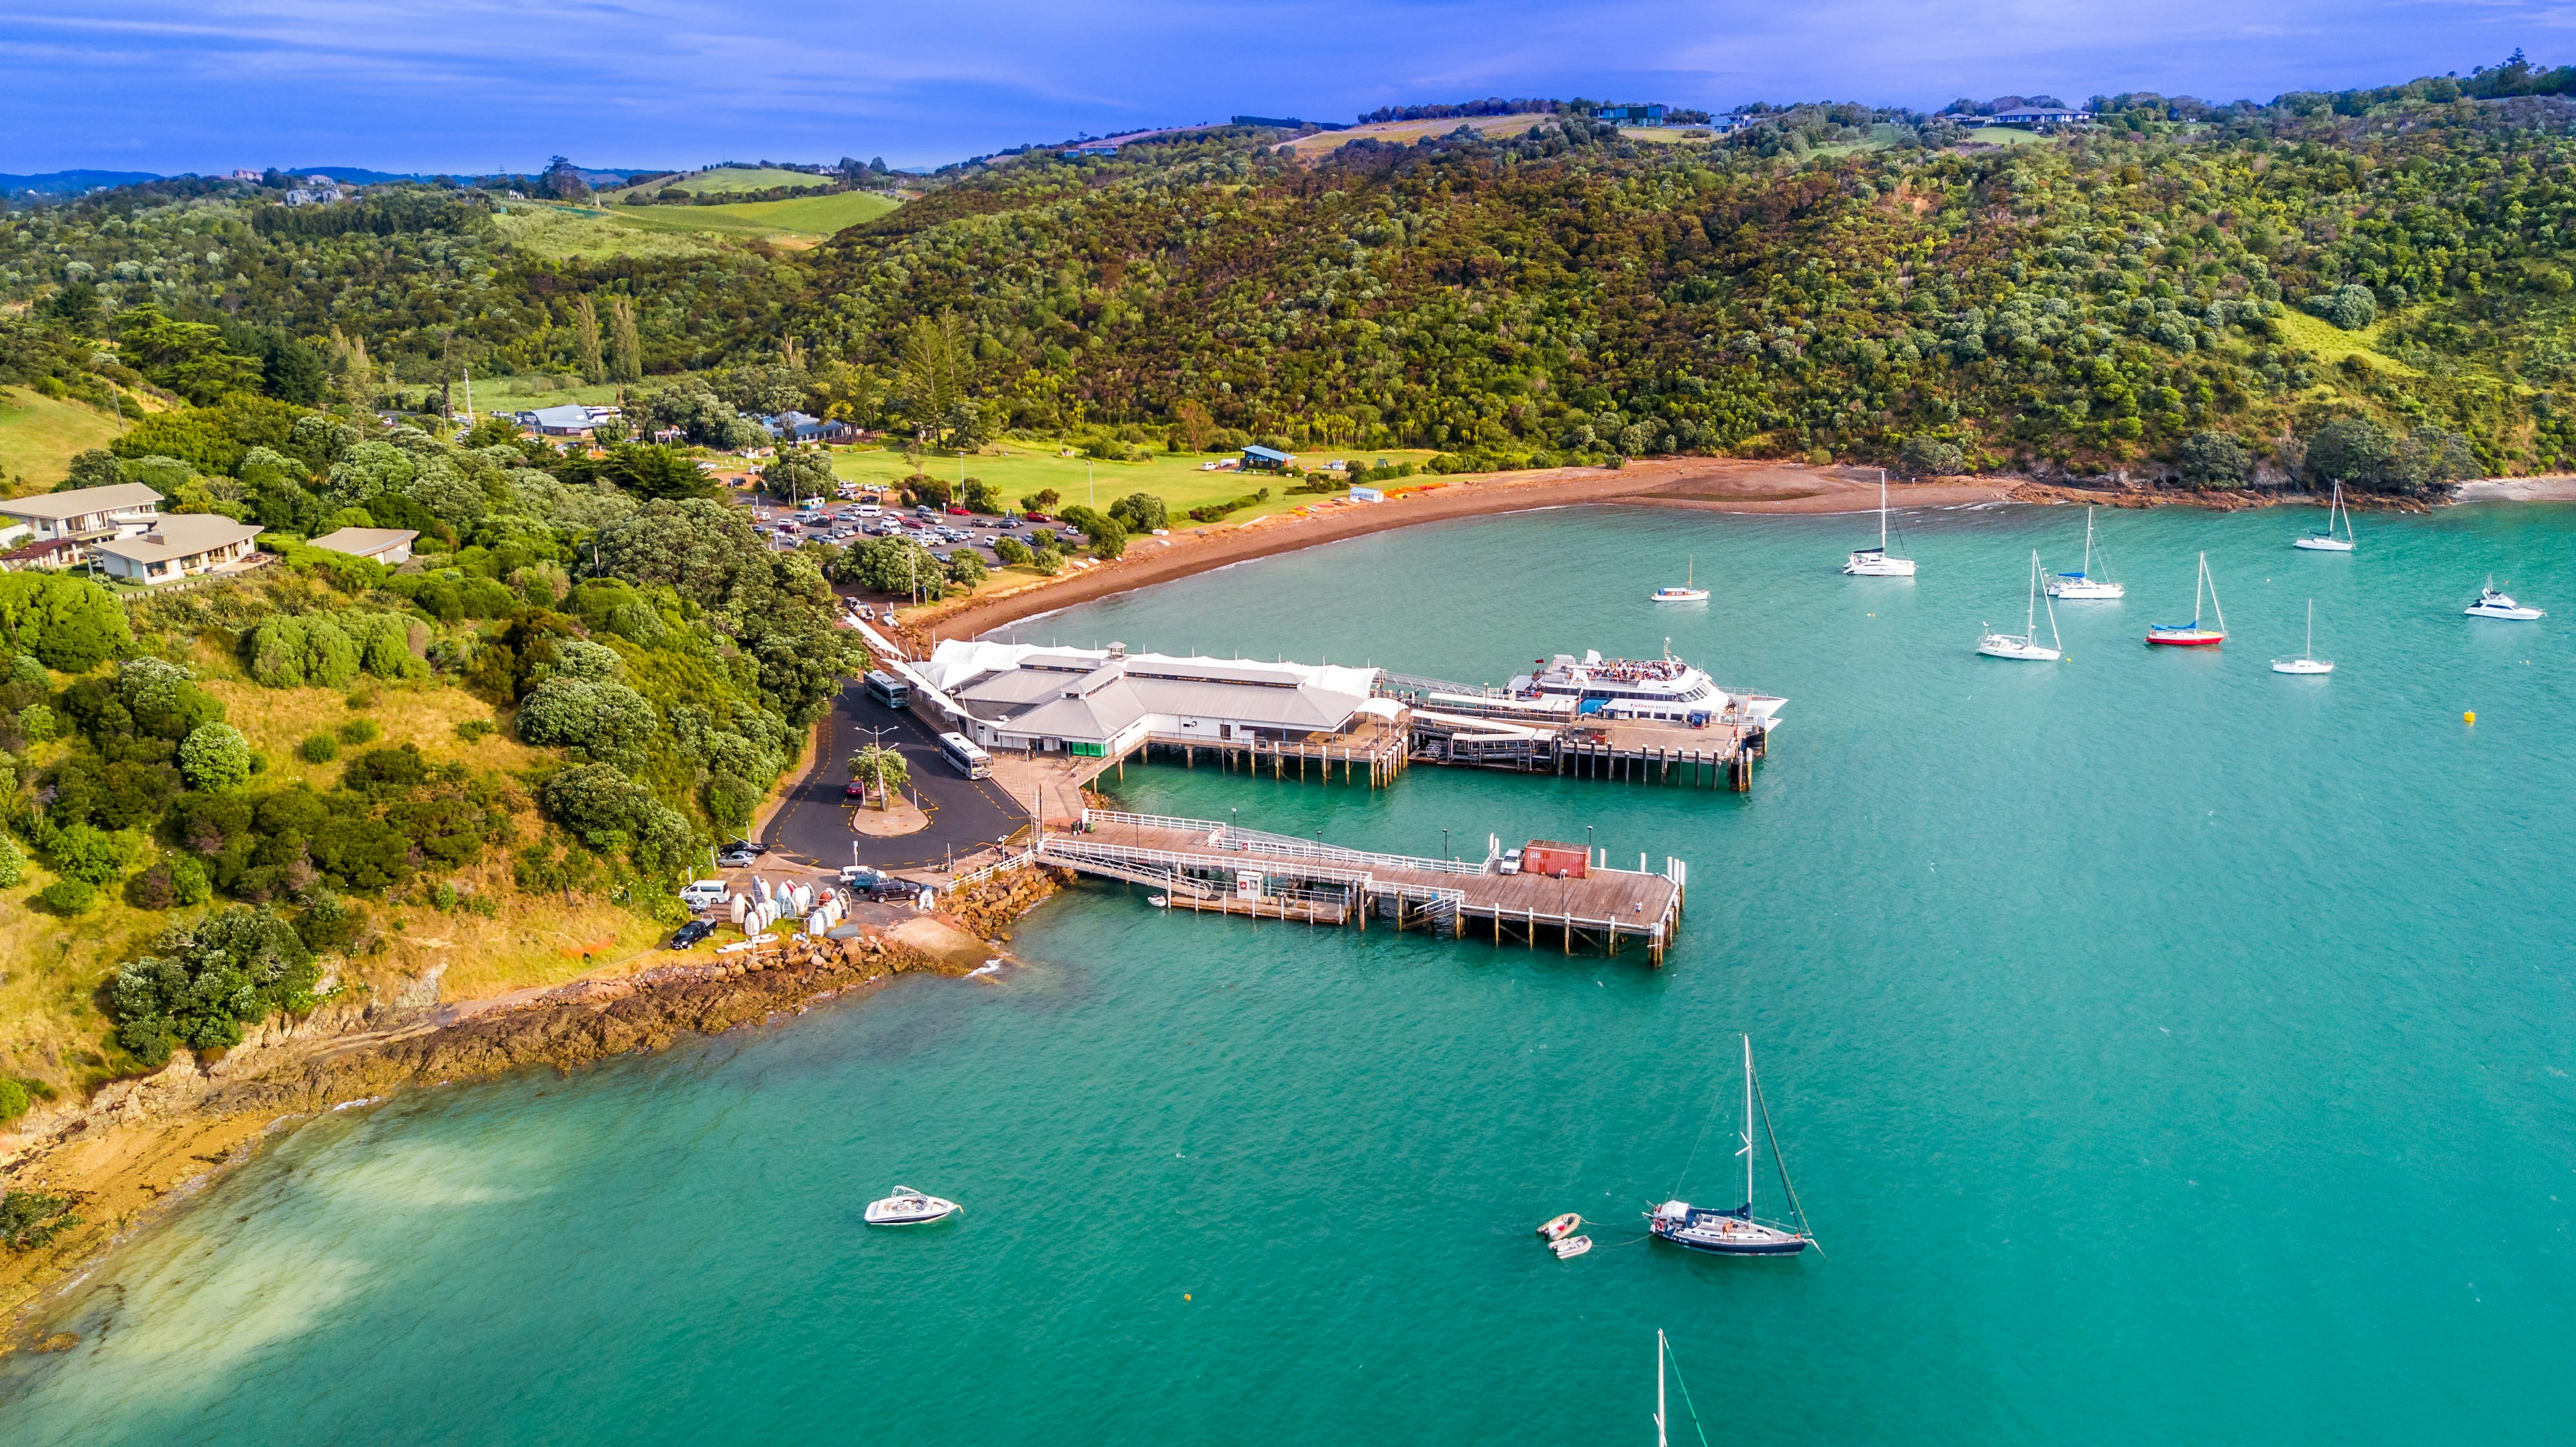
(814, 824)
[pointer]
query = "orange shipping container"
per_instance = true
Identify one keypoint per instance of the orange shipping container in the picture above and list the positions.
(1549, 859)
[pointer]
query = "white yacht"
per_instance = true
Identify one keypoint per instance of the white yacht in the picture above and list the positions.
(1664, 689)
(2325, 541)
(908, 1207)
(2307, 662)
(2493, 604)
(2081, 586)
(2025, 646)
(1688, 592)
(1874, 562)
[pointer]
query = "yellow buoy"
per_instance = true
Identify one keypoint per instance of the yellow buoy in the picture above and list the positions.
(2470, 717)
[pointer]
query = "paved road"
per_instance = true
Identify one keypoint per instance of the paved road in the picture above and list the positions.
(965, 814)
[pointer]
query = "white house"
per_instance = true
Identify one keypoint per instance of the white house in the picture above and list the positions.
(177, 547)
(389, 546)
(88, 514)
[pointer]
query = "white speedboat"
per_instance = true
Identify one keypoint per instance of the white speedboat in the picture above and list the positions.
(2307, 662)
(1688, 592)
(1874, 562)
(908, 1207)
(1735, 1232)
(2325, 541)
(2025, 646)
(2081, 586)
(2493, 604)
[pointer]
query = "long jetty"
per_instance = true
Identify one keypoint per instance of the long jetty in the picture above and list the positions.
(1205, 866)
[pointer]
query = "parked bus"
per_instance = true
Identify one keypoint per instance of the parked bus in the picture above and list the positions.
(963, 756)
(889, 690)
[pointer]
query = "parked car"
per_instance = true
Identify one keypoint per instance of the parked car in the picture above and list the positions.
(688, 935)
(959, 512)
(854, 790)
(1511, 861)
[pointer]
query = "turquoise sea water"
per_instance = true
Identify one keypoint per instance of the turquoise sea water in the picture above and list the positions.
(2165, 1050)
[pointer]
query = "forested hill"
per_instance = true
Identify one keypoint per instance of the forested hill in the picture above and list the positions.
(1838, 281)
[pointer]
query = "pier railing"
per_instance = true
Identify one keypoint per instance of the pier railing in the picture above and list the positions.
(1236, 840)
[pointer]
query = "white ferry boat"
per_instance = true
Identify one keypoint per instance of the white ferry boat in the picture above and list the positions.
(1664, 689)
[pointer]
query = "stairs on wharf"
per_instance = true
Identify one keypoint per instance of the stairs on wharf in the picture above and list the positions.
(1202, 864)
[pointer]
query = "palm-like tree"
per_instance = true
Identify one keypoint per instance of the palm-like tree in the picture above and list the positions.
(880, 768)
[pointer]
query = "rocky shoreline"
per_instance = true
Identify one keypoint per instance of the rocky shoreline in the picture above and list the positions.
(139, 1145)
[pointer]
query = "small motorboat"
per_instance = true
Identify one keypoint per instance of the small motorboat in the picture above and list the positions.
(1559, 1227)
(1571, 1247)
(1158, 901)
(2493, 604)
(908, 1207)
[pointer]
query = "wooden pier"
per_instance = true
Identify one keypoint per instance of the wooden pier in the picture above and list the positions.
(1203, 865)
(1372, 753)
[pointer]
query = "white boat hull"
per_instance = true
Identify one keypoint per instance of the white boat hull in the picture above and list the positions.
(2323, 545)
(2085, 590)
(909, 1208)
(2301, 665)
(1874, 565)
(2508, 615)
(1680, 595)
(2020, 650)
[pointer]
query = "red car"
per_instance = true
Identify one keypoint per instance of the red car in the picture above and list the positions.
(955, 511)
(854, 791)
(1035, 517)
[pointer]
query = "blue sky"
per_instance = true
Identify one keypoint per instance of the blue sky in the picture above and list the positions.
(205, 85)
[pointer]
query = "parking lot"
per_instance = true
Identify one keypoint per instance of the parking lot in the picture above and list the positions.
(945, 532)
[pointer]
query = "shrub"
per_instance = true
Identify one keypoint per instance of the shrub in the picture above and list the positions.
(385, 771)
(1141, 512)
(360, 731)
(91, 855)
(319, 749)
(216, 758)
(1047, 561)
(206, 978)
(1011, 551)
(608, 720)
(474, 729)
(68, 897)
(1927, 456)
(38, 723)
(69, 623)
(13, 1100)
(2351, 307)
(13, 863)
(2214, 459)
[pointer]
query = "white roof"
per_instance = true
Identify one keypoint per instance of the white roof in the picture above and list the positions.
(79, 502)
(956, 661)
(365, 542)
(1089, 693)
(182, 535)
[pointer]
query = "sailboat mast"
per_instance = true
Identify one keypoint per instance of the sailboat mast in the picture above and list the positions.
(2030, 613)
(1659, 1388)
(1748, 1125)
(1882, 524)
(2088, 542)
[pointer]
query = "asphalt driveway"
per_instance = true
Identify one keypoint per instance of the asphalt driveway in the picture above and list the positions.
(814, 824)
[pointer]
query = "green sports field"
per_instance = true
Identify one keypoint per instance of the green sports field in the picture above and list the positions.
(1019, 470)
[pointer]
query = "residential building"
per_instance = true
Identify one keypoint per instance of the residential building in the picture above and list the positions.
(52, 553)
(568, 420)
(89, 514)
(389, 546)
(1648, 115)
(1258, 458)
(177, 547)
(1101, 702)
(803, 427)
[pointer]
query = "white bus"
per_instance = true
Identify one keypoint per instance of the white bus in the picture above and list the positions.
(964, 757)
(889, 690)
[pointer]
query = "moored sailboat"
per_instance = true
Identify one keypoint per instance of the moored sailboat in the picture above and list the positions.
(2192, 634)
(2324, 540)
(2307, 662)
(1874, 562)
(2025, 646)
(1688, 592)
(1737, 1232)
(2081, 586)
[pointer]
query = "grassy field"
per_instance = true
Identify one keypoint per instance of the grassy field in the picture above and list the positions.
(1020, 470)
(551, 229)
(2329, 343)
(39, 436)
(1406, 133)
(809, 215)
(526, 394)
(726, 180)
(564, 232)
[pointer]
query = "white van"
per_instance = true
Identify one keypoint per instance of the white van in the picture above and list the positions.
(703, 893)
(869, 510)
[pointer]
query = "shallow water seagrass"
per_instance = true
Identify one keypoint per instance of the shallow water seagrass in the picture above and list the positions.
(2166, 1050)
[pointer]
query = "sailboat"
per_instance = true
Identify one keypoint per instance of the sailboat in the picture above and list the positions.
(2326, 541)
(2191, 634)
(2307, 662)
(1874, 562)
(1663, 1423)
(1688, 592)
(2081, 586)
(2025, 645)
(1736, 1232)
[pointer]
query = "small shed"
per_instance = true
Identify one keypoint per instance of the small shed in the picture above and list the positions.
(1265, 459)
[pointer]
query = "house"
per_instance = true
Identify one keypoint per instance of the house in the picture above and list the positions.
(1651, 115)
(178, 547)
(87, 513)
(2037, 118)
(1090, 148)
(1100, 702)
(803, 427)
(52, 553)
(1258, 458)
(316, 195)
(564, 421)
(389, 546)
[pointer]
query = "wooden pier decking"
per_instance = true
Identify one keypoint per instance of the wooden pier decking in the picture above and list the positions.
(1203, 864)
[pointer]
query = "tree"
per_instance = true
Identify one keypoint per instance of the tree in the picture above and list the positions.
(1042, 500)
(69, 623)
(882, 769)
(626, 348)
(655, 471)
(1142, 512)
(931, 375)
(1011, 551)
(186, 357)
(594, 368)
(1195, 424)
(94, 468)
(2356, 451)
(607, 721)
(206, 979)
(1928, 456)
(2214, 459)
(215, 757)
(980, 496)
(2350, 307)
(562, 182)
(890, 565)
(92, 855)
(798, 473)
(966, 568)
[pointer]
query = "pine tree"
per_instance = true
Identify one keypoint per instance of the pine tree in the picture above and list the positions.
(586, 335)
